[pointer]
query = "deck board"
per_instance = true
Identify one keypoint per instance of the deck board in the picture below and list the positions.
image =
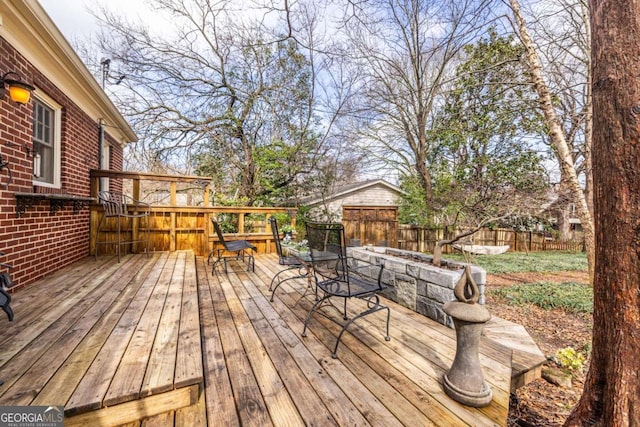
(57, 390)
(247, 395)
(435, 405)
(161, 341)
(188, 366)
(219, 411)
(34, 365)
(311, 369)
(162, 361)
(91, 392)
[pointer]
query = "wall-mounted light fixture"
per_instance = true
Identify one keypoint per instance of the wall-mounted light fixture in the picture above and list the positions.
(37, 160)
(19, 91)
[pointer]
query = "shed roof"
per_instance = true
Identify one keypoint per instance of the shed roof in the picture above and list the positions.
(349, 189)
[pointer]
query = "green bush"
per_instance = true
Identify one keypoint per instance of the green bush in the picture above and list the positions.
(570, 359)
(571, 296)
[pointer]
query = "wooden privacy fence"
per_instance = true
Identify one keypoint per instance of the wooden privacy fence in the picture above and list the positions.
(181, 219)
(180, 214)
(424, 240)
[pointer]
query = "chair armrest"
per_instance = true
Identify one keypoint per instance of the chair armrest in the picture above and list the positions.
(130, 202)
(133, 202)
(365, 268)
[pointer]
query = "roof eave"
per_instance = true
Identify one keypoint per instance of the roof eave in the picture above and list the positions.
(27, 27)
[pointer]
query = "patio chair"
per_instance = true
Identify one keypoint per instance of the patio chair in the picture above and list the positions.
(341, 277)
(290, 262)
(116, 205)
(5, 297)
(236, 247)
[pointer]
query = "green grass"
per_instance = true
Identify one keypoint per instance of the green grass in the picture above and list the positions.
(521, 262)
(571, 296)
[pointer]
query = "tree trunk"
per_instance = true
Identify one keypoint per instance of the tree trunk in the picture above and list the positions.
(563, 216)
(611, 395)
(437, 251)
(557, 137)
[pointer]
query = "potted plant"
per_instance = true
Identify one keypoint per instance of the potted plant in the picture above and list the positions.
(287, 230)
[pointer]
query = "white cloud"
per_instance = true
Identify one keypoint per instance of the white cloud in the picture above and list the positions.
(71, 17)
(75, 21)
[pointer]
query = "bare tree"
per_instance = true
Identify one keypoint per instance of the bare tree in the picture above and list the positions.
(405, 52)
(562, 35)
(226, 89)
(557, 135)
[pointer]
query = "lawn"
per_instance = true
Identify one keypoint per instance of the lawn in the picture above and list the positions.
(522, 262)
(571, 296)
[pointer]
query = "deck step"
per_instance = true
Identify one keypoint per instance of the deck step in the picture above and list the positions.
(527, 358)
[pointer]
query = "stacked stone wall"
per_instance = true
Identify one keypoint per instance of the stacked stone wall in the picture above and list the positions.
(413, 282)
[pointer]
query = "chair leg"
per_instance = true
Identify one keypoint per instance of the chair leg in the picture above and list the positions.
(213, 267)
(118, 246)
(388, 337)
(148, 232)
(280, 282)
(310, 313)
(98, 237)
(372, 309)
(251, 265)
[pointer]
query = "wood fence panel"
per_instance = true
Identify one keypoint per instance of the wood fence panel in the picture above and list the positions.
(424, 240)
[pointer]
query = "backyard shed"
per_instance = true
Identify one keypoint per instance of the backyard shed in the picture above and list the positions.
(368, 210)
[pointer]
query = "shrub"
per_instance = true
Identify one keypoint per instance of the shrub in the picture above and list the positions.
(570, 359)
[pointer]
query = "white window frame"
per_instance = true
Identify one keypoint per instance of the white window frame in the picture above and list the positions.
(57, 137)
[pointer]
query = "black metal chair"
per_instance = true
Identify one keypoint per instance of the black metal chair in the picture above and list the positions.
(116, 205)
(338, 276)
(235, 247)
(290, 262)
(5, 297)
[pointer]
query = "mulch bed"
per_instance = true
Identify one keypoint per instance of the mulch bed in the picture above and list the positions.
(541, 403)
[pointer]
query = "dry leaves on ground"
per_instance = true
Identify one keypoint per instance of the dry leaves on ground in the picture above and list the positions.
(541, 403)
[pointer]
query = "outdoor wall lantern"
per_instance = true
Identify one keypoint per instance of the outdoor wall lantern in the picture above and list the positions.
(19, 91)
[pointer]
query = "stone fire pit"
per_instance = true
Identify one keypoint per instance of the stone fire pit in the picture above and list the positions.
(416, 284)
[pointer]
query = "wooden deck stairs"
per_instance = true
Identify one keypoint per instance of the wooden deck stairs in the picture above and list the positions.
(526, 357)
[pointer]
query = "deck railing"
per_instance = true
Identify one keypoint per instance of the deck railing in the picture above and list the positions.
(180, 213)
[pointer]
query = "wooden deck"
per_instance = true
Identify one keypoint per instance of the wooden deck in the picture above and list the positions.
(120, 343)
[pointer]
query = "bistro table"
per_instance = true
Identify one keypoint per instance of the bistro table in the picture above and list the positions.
(301, 253)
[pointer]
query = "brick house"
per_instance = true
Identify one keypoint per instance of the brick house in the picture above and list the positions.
(48, 145)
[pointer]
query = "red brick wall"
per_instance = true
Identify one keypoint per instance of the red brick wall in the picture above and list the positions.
(39, 242)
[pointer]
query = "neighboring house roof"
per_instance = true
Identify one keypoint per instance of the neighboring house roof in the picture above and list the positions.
(27, 27)
(346, 190)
